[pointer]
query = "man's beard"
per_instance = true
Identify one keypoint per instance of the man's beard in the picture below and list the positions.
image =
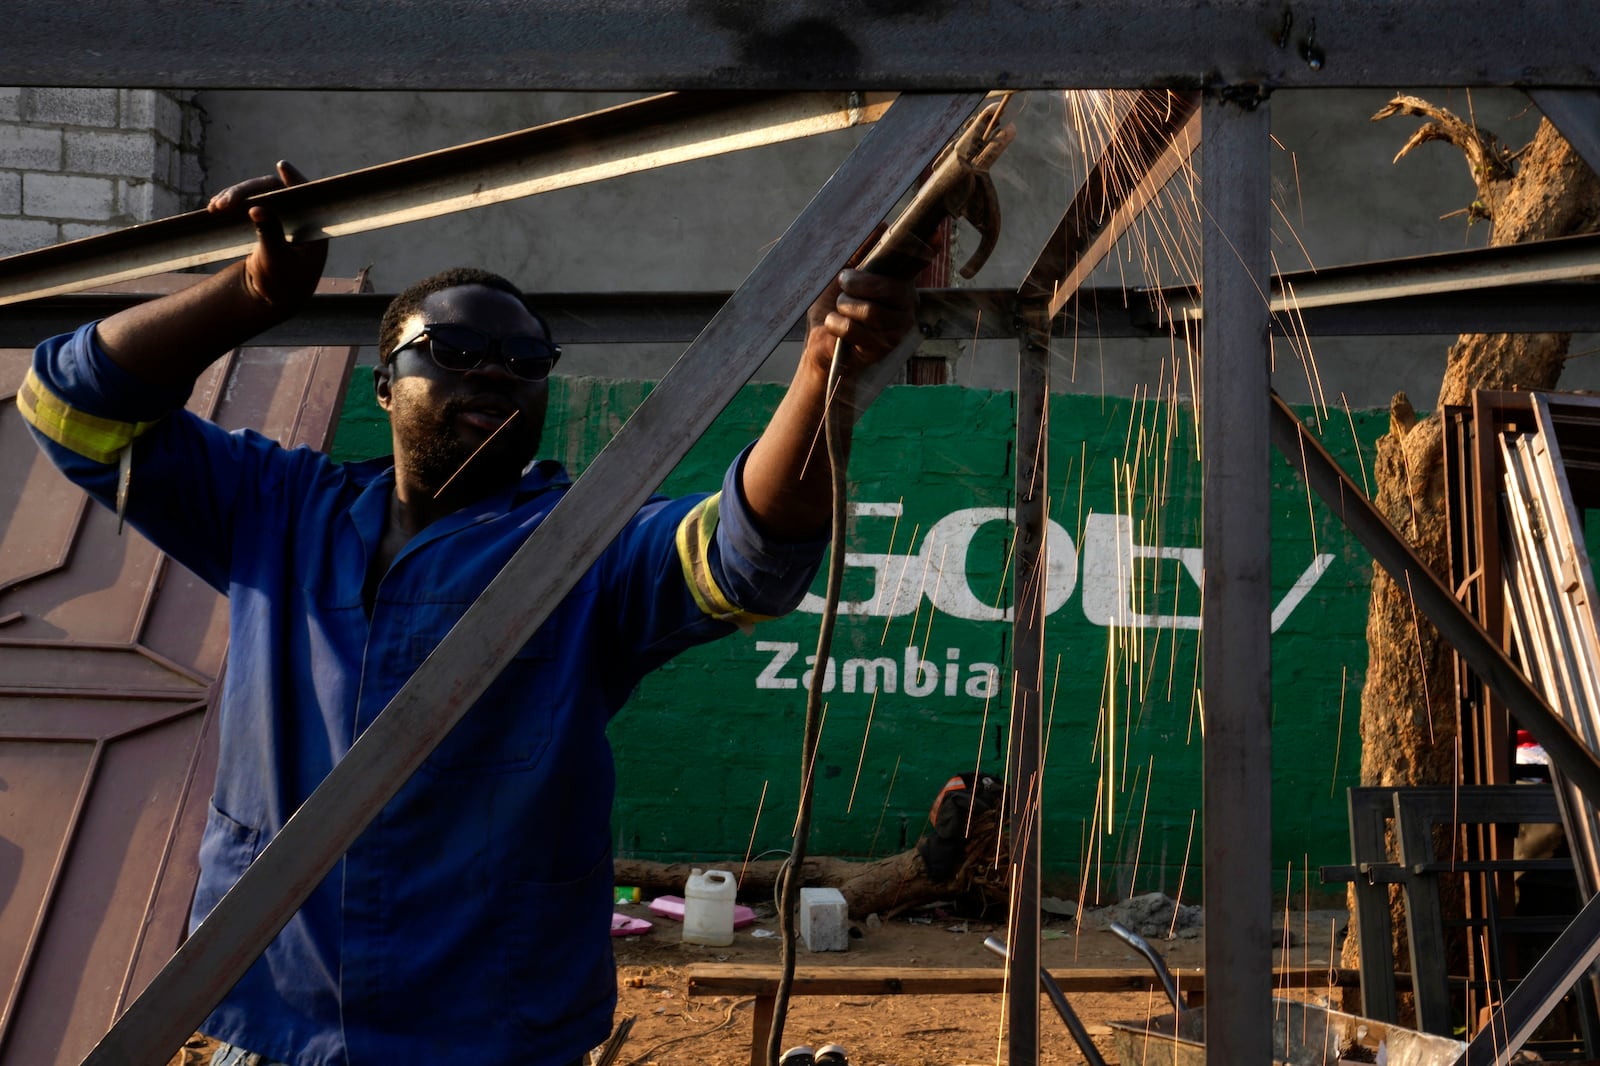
(438, 456)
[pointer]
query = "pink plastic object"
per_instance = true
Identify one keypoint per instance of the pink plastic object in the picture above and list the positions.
(625, 925)
(672, 907)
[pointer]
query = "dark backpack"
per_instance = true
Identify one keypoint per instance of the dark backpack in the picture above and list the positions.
(959, 804)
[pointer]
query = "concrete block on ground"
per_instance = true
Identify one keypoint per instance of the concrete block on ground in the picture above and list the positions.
(824, 919)
(10, 104)
(10, 193)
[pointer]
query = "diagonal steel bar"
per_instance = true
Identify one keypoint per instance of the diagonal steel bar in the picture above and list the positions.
(1577, 115)
(642, 135)
(1537, 994)
(534, 580)
(1470, 640)
(1152, 143)
(692, 44)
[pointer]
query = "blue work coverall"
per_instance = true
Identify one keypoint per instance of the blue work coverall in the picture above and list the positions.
(470, 922)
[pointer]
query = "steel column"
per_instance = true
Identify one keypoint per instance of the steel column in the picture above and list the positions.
(651, 45)
(1025, 770)
(534, 580)
(1236, 607)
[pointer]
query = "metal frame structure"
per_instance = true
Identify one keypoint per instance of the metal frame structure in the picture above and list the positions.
(1237, 51)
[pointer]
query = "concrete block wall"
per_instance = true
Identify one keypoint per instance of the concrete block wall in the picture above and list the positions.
(77, 162)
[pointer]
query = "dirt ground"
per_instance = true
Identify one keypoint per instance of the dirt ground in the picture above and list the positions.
(669, 1027)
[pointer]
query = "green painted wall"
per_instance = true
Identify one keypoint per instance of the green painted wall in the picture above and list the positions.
(708, 749)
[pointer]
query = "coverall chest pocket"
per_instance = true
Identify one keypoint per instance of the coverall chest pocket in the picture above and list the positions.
(510, 728)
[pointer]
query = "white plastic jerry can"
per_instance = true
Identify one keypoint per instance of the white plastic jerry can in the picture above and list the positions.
(708, 908)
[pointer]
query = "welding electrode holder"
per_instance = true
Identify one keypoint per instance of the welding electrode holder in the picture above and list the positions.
(958, 186)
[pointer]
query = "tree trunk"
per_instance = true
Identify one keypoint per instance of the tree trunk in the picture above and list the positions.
(1408, 703)
(884, 887)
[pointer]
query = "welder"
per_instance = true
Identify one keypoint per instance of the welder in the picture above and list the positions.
(470, 921)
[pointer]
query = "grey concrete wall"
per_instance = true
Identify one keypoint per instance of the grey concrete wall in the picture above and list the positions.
(77, 162)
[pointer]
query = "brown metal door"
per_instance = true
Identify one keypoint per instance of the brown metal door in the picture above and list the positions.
(110, 656)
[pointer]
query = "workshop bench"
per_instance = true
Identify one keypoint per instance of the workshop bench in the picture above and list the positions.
(761, 981)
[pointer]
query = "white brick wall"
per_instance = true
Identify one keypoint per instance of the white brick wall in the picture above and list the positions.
(77, 162)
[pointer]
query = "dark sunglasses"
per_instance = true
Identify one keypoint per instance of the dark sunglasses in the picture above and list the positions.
(461, 348)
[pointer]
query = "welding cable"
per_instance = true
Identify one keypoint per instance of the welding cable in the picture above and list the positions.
(836, 434)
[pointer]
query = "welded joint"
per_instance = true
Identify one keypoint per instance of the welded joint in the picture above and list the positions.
(1030, 320)
(1246, 96)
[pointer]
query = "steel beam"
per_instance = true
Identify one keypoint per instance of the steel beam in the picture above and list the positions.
(1025, 768)
(1533, 262)
(1236, 592)
(1390, 551)
(1577, 116)
(533, 581)
(1151, 144)
(626, 139)
(943, 314)
(650, 45)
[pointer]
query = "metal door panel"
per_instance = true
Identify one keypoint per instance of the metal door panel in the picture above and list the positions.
(109, 661)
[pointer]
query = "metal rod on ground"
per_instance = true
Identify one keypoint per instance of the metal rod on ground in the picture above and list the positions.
(1236, 596)
(643, 135)
(1063, 1008)
(534, 580)
(1157, 963)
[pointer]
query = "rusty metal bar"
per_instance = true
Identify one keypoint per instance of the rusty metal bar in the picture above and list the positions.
(1390, 551)
(1236, 604)
(633, 45)
(642, 135)
(534, 580)
(1151, 144)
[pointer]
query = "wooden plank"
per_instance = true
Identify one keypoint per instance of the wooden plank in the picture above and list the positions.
(739, 979)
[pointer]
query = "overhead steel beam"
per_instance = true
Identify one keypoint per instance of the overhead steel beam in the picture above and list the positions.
(1529, 263)
(1236, 589)
(1151, 144)
(650, 45)
(534, 580)
(1577, 115)
(642, 135)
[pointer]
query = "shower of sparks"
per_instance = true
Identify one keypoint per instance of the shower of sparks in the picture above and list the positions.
(862, 758)
(1183, 871)
(899, 579)
(1338, 736)
(751, 847)
(872, 849)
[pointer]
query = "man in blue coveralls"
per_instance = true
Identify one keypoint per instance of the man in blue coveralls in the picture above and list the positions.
(470, 922)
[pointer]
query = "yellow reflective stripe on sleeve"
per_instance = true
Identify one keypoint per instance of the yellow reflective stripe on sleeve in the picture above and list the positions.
(93, 437)
(694, 553)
